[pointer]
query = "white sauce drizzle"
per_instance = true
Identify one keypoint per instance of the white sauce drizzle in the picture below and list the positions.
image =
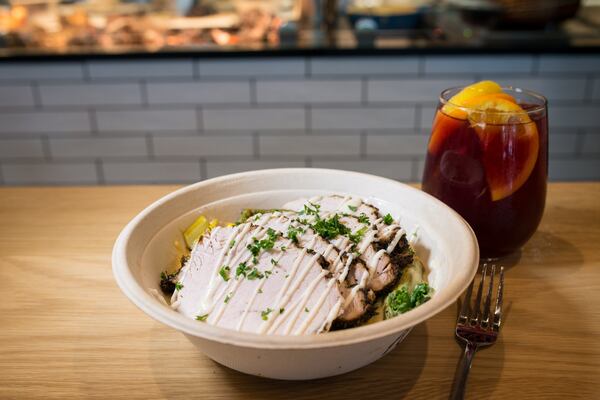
(395, 241)
(316, 308)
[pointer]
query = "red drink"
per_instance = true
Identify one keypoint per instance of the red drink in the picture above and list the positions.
(489, 163)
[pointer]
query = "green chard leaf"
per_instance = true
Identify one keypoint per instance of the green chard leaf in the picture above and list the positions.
(388, 219)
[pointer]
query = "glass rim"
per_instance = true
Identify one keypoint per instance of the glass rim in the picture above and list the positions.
(537, 107)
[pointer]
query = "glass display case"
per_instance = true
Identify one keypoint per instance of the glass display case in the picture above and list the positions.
(152, 24)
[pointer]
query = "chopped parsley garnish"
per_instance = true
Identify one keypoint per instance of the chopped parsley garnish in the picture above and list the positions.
(281, 310)
(242, 269)
(308, 210)
(178, 286)
(265, 314)
(263, 244)
(330, 228)
(232, 243)
(293, 232)
(268, 273)
(224, 272)
(306, 309)
(388, 219)
(363, 219)
(283, 248)
(255, 274)
(260, 291)
(202, 317)
(357, 237)
(227, 298)
(352, 208)
(274, 261)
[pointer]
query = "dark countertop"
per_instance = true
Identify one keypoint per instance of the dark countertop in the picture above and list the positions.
(579, 35)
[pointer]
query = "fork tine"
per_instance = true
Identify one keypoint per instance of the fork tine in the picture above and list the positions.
(465, 309)
(498, 310)
(485, 321)
(477, 310)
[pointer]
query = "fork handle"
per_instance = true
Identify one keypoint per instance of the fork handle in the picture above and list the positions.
(462, 372)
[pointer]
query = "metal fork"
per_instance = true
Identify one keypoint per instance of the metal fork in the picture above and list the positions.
(476, 327)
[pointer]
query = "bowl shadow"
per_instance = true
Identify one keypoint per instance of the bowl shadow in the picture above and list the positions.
(406, 361)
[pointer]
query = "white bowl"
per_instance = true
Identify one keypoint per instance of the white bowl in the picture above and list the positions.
(145, 248)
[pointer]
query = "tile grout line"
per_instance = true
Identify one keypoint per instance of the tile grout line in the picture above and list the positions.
(307, 119)
(579, 141)
(363, 145)
(199, 120)
(37, 95)
(417, 121)
(150, 147)
(144, 93)
(100, 171)
(196, 69)
(588, 95)
(253, 91)
(93, 121)
(203, 169)
(46, 151)
(255, 145)
(85, 69)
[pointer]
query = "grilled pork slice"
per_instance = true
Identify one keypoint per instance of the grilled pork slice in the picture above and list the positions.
(252, 279)
(383, 248)
(348, 270)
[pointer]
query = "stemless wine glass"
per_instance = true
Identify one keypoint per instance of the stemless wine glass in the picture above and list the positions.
(491, 166)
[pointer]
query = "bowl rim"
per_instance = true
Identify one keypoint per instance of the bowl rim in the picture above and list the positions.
(148, 304)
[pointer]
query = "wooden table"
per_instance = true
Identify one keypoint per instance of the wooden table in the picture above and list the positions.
(66, 331)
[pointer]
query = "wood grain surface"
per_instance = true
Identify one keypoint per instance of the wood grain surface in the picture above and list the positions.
(66, 331)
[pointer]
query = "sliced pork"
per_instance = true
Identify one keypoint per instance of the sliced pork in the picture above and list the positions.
(348, 270)
(251, 279)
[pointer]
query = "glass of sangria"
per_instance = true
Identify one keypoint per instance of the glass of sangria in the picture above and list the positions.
(487, 158)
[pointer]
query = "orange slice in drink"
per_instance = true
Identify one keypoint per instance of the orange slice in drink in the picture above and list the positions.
(454, 113)
(509, 140)
(465, 98)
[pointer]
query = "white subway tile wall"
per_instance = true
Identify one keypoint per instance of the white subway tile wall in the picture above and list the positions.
(184, 120)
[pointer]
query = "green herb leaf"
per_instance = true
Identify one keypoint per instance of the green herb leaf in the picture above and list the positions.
(178, 286)
(293, 232)
(260, 291)
(281, 310)
(363, 219)
(264, 244)
(202, 317)
(232, 243)
(330, 228)
(274, 261)
(388, 219)
(224, 272)
(353, 208)
(227, 298)
(255, 274)
(306, 309)
(357, 237)
(265, 314)
(241, 270)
